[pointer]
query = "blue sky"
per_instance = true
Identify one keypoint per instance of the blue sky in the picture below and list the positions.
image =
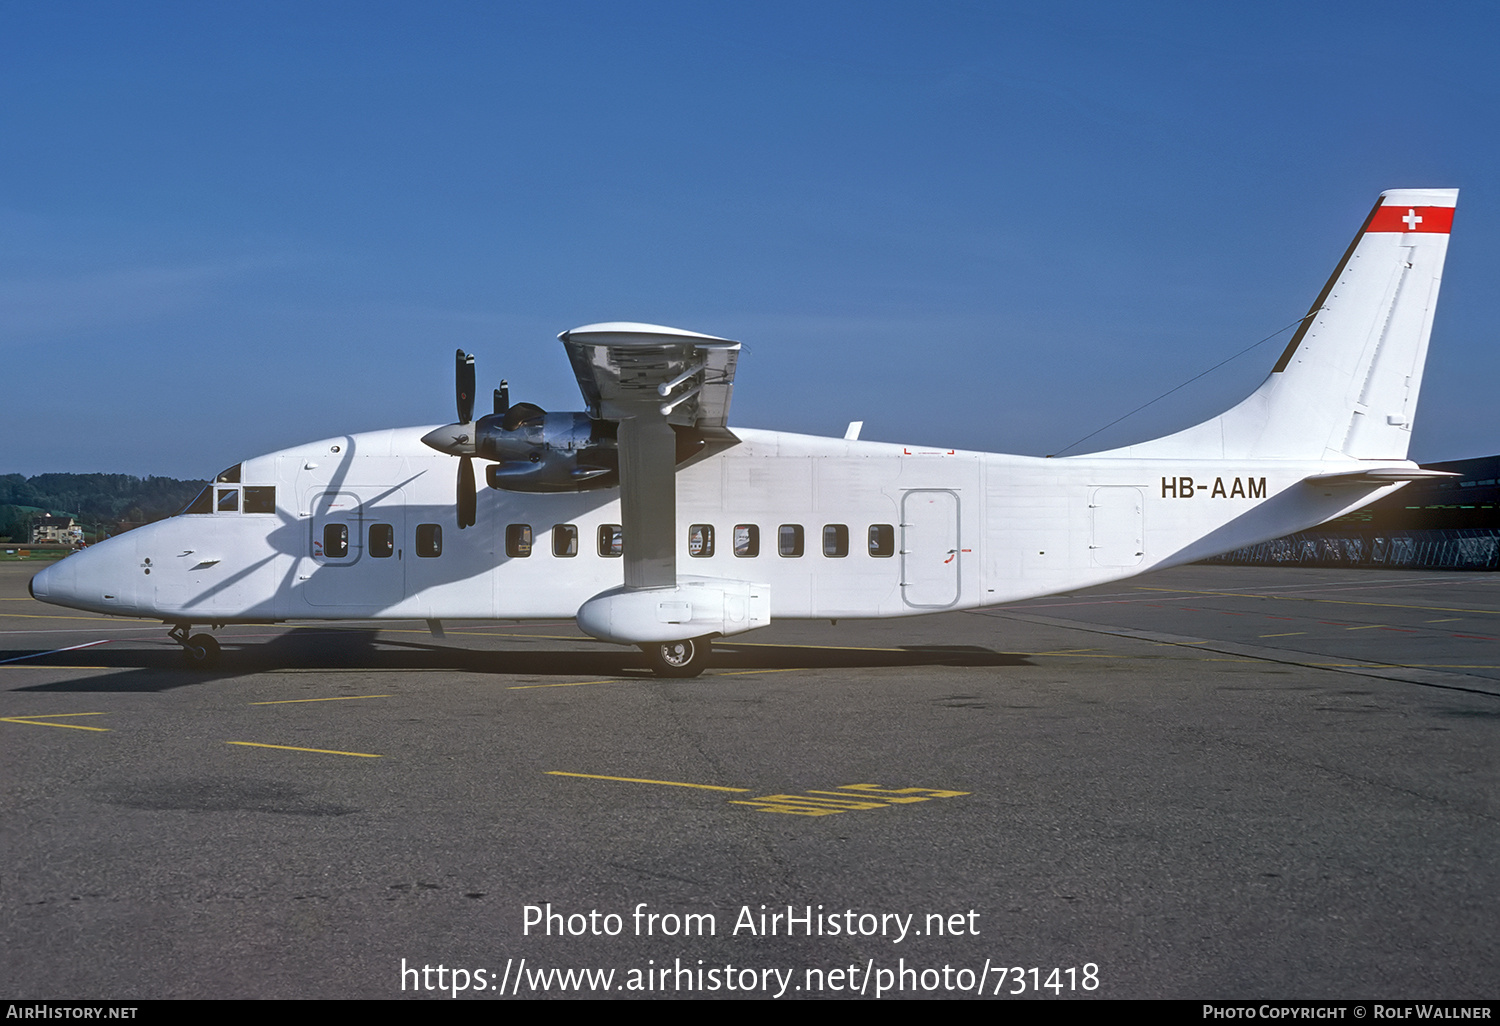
(228, 228)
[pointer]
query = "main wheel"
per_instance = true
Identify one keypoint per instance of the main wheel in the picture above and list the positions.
(678, 658)
(201, 651)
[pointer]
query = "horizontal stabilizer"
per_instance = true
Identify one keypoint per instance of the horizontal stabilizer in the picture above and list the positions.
(1380, 476)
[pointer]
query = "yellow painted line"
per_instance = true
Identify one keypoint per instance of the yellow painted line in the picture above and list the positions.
(578, 683)
(1415, 666)
(293, 748)
(488, 634)
(835, 648)
(1288, 634)
(1336, 602)
(53, 716)
(638, 780)
(1204, 642)
(340, 698)
(742, 673)
(1366, 627)
(38, 720)
(1446, 619)
(45, 616)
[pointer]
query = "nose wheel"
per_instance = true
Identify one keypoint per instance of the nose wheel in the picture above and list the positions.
(199, 651)
(678, 658)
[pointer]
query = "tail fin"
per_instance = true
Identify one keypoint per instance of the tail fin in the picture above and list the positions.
(1346, 386)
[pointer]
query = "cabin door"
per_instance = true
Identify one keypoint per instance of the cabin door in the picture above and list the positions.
(930, 554)
(356, 550)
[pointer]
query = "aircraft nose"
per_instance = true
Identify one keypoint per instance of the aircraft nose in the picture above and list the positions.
(44, 584)
(453, 439)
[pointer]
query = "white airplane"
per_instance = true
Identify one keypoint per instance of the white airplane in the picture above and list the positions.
(652, 523)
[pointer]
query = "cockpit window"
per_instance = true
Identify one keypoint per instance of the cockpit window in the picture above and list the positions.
(204, 503)
(260, 499)
(230, 476)
(229, 500)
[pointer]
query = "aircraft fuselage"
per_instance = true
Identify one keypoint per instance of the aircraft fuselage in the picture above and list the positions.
(363, 526)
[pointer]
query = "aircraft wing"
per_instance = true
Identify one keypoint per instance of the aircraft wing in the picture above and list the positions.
(648, 379)
(622, 367)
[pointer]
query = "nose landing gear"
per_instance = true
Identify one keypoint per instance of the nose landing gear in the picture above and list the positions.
(200, 651)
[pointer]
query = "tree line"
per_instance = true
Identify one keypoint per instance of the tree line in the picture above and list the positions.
(90, 497)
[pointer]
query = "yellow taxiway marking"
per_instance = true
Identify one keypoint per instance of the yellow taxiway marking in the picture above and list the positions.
(1446, 619)
(293, 748)
(638, 780)
(835, 648)
(577, 683)
(1366, 627)
(1288, 634)
(39, 720)
(491, 634)
(1337, 602)
(1413, 666)
(340, 698)
(51, 616)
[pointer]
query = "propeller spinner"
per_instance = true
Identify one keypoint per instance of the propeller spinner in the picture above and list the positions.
(459, 439)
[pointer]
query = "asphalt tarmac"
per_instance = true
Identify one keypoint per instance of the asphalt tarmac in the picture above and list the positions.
(1212, 782)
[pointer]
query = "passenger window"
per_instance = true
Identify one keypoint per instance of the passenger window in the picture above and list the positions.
(335, 541)
(701, 541)
(229, 500)
(429, 540)
(746, 540)
(789, 540)
(260, 499)
(611, 540)
(835, 540)
(882, 540)
(382, 539)
(564, 540)
(518, 540)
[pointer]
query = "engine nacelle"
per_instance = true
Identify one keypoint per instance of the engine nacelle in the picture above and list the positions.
(547, 452)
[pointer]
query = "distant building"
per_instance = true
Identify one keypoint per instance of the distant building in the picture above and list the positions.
(1448, 524)
(55, 530)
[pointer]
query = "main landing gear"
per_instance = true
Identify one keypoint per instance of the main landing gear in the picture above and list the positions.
(201, 651)
(678, 658)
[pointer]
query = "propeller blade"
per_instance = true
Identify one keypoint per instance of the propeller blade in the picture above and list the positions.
(502, 398)
(463, 378)
(466, 497)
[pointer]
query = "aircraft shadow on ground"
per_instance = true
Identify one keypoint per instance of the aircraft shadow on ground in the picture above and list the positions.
(160, 668)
